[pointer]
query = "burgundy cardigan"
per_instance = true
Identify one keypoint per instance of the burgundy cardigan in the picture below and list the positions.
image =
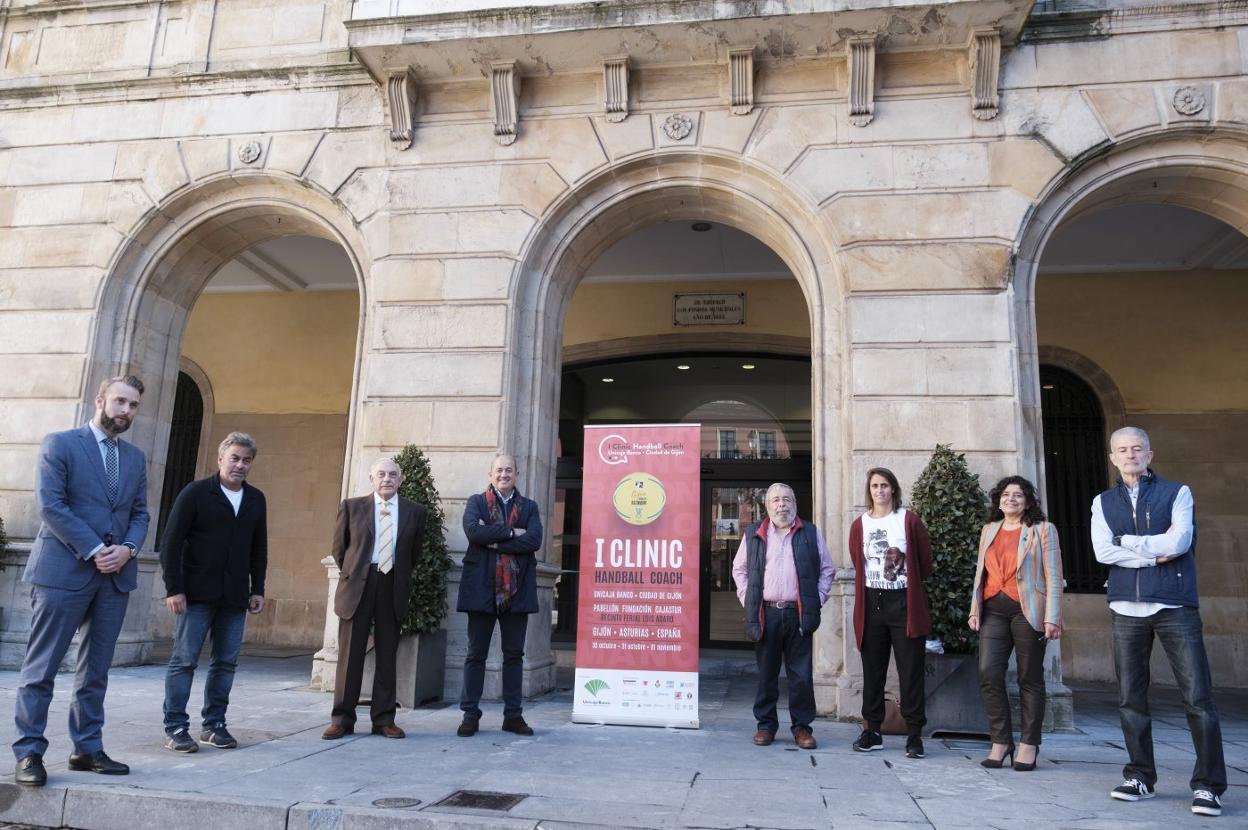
(918, 563)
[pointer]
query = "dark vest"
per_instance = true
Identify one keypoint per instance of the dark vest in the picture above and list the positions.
(1171, 583)
(805, 557)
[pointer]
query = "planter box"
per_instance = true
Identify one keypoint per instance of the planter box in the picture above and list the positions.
(951, 684)
(419, 668)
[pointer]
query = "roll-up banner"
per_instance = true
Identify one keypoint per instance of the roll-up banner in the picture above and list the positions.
(637, 623)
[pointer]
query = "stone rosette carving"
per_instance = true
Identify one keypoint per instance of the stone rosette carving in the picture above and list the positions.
(1188, 100)
(677, 126)
(249, 152)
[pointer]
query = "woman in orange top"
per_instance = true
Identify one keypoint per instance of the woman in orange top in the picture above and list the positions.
(1016, 605)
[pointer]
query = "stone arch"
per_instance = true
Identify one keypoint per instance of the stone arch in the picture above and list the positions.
(624, 198)
(156, 275)
(1203, 171)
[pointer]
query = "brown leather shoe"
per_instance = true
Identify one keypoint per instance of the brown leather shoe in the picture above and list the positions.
(803, 738)
(388, 730)
(335, 731)
(764, 738)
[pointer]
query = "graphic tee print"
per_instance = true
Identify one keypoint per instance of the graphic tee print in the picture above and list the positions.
(884, 550)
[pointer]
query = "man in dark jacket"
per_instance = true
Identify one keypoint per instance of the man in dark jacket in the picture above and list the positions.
(377, 540)
(783, 573)
(1145, 530)
(499, 586)
(214, 556)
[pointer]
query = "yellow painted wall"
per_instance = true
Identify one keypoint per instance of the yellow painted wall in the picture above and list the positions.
(1172, 341)
(612, 310)
(276, 353)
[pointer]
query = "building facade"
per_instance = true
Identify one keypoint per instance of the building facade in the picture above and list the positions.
(345, 227)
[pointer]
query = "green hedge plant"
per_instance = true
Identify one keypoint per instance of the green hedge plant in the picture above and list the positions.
(948, 498)
(427, 604)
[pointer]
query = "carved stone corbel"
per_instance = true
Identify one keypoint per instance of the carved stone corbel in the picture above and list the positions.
(615, 87)
(985, 64)
(401, 92)
(861, 53)
(505, 100)
(741, 80)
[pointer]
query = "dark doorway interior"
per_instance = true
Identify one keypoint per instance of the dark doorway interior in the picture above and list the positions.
(183, 455)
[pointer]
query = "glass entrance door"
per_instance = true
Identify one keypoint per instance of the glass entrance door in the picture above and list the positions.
(729, 508)
(732, 509)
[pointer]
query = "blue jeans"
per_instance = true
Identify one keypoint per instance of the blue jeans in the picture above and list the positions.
(226, 625)
(1180, 633)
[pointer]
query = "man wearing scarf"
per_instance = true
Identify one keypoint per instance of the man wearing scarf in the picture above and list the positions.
(499, 586)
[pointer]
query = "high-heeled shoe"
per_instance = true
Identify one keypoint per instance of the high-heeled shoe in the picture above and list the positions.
(1023, 766)
(993, 763)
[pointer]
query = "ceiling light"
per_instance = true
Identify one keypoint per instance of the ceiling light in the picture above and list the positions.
(701, 227)
(747, 365)
(684, 367)
(608, 380)
(1047, 386)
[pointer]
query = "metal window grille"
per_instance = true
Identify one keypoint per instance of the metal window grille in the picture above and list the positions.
(1075, 471)
(183, 455)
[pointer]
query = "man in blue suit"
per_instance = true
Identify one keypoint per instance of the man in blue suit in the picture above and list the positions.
(93, 503)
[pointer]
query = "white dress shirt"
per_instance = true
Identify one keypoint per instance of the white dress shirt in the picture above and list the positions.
(378, 501)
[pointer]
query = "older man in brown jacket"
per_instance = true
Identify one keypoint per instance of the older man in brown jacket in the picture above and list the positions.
(376, 539)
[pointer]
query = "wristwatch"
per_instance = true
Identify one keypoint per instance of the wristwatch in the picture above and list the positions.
(1117, 541)
(134, 551)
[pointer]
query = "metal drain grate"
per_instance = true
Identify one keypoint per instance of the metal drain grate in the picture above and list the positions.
(477, 800)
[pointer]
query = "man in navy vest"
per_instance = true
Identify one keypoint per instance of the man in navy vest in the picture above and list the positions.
(1144, 529)
(783, 573)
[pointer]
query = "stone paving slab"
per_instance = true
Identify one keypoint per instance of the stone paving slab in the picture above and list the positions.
(584, 777)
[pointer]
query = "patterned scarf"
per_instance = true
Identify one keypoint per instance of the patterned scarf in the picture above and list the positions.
(506, 566)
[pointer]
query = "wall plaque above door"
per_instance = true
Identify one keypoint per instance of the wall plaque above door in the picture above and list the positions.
(709, 309)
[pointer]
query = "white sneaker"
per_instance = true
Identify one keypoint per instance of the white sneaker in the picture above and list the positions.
(1205, 803)
(1132, 789)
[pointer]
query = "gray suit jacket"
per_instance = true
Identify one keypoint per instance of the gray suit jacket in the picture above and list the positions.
(77, 513)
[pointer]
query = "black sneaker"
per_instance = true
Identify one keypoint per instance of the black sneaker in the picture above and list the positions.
(914, 747)
(1132, 789)
(1206, 803)
(217, 736)
(869, 740)
(180, 741)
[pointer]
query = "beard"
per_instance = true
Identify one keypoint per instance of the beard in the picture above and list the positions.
(113, 426)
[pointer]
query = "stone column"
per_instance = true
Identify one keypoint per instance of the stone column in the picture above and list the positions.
(325, 661)
(838, 670)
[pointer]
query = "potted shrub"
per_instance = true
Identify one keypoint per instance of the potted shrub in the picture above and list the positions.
(421, 662)
(948, 498)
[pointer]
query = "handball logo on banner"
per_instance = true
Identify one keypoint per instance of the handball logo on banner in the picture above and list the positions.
(639, 498)
(613, 449)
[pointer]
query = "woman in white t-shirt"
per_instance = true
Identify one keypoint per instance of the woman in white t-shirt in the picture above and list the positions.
(892, 557)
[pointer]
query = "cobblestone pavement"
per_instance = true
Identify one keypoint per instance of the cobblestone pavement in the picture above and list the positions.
(570, 775)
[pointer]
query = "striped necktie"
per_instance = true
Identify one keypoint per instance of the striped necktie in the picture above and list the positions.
(110, 467)
(385, 540)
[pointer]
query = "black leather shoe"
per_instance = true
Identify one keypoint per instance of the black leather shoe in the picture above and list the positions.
(30, 771)
(97, 762)
(517, 726)
(468, 727)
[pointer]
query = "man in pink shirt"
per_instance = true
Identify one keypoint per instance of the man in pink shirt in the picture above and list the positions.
(783, 573)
